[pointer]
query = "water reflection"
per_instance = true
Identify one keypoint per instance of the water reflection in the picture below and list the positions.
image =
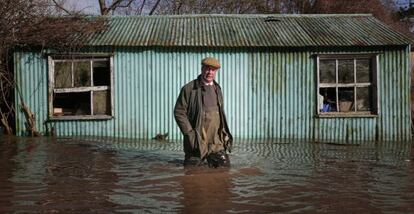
(207, 190)
(78, 175)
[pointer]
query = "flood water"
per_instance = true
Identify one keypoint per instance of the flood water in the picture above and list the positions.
(92, 175)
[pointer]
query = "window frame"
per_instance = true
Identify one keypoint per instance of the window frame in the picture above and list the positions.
(374, 57)
(52, 59)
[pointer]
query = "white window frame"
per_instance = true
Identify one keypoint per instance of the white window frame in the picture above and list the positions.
(52, 90)
(374, 84)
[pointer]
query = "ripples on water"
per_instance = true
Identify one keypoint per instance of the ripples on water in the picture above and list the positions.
(118, 175)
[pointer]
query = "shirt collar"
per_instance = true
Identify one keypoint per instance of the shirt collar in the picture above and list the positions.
(206, 83)
(200, 83)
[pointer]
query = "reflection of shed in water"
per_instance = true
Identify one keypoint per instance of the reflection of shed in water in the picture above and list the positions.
(316, 77)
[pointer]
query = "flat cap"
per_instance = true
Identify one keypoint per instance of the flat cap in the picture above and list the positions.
(210, 61)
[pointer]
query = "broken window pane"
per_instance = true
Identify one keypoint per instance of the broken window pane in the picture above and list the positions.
(363, 70)
(101, 73)
(346, 99)
(346, 71)
(328, 95)
(74, 103)
(82, 74)
(327, 69)
(86, 73)
(63, 74)
(364, 99)
(101, 103)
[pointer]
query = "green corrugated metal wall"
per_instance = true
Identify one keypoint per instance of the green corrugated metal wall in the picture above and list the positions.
(268, 93)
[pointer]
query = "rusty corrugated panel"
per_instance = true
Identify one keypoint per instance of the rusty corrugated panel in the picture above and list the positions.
(248, 31)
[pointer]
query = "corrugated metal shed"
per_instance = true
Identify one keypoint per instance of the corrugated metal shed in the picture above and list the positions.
(248, 31)
(270, 91)
(268, 94)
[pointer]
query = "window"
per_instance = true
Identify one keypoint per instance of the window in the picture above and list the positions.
(80, 87)
(347, 85)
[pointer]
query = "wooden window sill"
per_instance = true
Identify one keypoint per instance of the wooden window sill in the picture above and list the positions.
(346, 115)
(86, 117)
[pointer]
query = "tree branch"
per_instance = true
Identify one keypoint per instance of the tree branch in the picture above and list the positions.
(62, 8)
(114, 5)
(142, 7)
(102, 6)
(155, 7)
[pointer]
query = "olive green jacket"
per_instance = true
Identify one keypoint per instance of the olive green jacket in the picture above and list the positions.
(188, 115)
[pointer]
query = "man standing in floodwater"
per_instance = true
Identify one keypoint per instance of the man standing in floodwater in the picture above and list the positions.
(200, 115)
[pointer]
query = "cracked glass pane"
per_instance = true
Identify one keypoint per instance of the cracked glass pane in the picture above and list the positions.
(63, 75)
(82, 74)
(364, 99)
(101, 103)
(363, 70)
(327, 69)
(346, 71)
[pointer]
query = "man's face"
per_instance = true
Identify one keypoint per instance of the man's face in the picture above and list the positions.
(208, 73)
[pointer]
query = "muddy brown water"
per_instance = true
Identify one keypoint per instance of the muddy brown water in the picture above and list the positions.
(101, 175)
